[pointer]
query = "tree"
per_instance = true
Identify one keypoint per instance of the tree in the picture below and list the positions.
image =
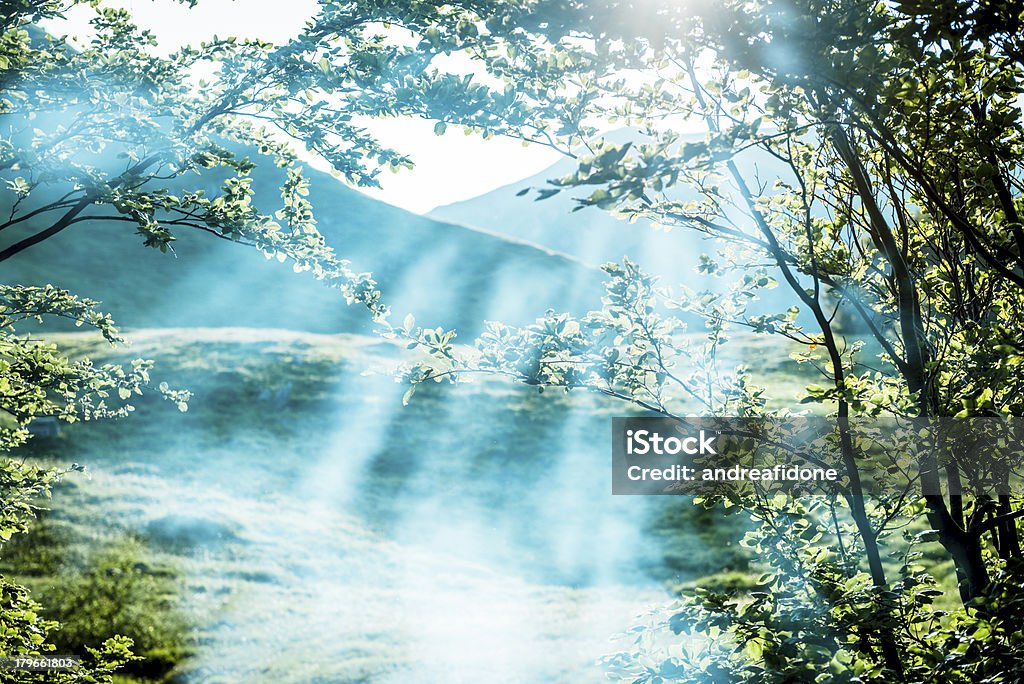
(109, 131)
(899, 128)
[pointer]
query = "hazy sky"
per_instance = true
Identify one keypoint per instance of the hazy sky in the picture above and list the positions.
(449, 168)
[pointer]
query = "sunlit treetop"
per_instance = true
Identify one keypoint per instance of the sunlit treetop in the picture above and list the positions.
(113, 131)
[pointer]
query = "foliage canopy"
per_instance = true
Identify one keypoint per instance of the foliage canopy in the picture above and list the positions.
(898, 129)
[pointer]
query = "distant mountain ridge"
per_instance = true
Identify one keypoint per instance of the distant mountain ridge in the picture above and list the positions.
(593, 235)
(445, 274)
(590, 234)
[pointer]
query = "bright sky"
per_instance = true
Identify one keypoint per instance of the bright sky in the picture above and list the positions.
(448, 169)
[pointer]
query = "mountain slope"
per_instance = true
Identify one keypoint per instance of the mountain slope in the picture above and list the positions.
(592, 235)
(446, 274)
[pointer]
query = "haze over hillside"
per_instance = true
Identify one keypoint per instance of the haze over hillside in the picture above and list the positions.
(446, 274)
(493, 257)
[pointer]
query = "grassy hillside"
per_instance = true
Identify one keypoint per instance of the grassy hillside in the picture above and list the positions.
(298, 524)
(446, 274)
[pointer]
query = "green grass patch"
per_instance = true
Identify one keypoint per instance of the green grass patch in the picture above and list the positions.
(97, 583)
